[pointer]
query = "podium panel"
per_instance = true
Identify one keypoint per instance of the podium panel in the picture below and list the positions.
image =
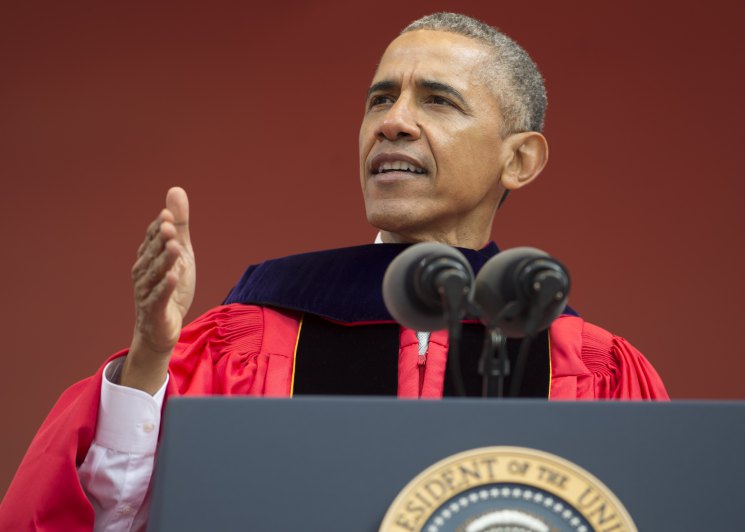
(317, 463)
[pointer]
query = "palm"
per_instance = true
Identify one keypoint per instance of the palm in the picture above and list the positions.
(164, 276)
(183, 293)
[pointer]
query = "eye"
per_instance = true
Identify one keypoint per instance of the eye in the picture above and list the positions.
(380, 99)
(439, 100)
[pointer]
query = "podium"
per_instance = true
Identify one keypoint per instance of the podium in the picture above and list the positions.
(330, 463)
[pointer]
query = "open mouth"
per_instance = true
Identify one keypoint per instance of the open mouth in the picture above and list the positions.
(398, 166)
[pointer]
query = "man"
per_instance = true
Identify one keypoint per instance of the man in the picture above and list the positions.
(452, 124)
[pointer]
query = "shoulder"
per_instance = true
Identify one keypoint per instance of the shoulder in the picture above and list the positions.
(603, 364)
(231, 350)
(243, 327)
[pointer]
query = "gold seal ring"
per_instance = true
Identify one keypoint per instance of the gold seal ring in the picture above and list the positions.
(494, 488)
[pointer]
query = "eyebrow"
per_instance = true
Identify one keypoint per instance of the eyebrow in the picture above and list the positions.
(381, 86)
(437, 86)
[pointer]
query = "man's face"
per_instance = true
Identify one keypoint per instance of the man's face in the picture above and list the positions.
(431, 153)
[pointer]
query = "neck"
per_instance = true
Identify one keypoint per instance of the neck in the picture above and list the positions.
(468, 241)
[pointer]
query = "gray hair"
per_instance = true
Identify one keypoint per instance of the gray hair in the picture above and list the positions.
(518, 84)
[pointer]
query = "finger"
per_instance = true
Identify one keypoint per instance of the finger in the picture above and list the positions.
(150, 233)
(158, 269)
(177, 202)
(152, 249)
(154, 228)
(158, 298)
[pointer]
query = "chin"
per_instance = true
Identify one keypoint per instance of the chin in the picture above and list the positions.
(401, 225)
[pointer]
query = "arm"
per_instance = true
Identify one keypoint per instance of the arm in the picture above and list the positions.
(48, 488)
(116, 472)
(164, 277)
(117, 469)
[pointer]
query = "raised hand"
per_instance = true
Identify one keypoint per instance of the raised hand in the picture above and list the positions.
(164, 278)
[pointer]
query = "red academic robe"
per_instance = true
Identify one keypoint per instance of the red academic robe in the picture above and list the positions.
(249, 350)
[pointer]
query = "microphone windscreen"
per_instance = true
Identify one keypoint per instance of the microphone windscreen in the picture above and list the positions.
(499, 284)
(401, 282)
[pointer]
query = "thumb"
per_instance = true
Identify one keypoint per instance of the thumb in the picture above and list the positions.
(178, 203)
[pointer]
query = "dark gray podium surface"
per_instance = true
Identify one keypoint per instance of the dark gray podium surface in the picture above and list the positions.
(327, 464)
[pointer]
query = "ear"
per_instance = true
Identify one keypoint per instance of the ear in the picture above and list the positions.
(526, 155)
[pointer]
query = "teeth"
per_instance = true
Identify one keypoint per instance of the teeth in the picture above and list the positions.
(399, 165)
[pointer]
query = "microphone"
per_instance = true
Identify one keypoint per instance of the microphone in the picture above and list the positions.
(521, 291)
(428, 286)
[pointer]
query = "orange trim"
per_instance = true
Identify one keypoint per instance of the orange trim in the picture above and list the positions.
(550, 365)
(294, 355)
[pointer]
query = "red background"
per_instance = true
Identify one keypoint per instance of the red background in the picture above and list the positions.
(255, 111)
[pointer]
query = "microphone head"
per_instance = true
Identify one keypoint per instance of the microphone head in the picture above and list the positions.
(521, 290)
(409, 291)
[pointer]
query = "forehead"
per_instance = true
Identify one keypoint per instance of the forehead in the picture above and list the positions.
(436, 55)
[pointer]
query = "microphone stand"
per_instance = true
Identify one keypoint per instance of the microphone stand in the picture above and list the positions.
(495, 342)
(494, 367)
(522, 358)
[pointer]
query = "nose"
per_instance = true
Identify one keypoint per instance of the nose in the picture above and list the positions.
(399, 122)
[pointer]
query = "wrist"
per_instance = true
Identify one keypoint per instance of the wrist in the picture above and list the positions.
(144, 368)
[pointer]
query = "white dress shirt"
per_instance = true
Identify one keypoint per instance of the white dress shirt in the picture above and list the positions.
(116, 471)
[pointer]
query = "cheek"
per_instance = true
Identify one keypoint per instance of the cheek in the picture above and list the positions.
(469, 166)
(366, 142)
(361, 141)
(459, 156)
(482, 152)
(367, 136)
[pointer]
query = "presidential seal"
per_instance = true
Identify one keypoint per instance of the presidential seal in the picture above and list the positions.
(506, 489)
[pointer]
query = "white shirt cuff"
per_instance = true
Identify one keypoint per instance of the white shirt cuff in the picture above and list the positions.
(128, 419)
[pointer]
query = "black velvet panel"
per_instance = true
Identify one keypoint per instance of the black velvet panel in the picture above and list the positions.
(340, 284)
(334, 359)
(537, 369)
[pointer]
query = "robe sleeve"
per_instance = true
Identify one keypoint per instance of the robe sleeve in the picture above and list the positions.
(221, 352)
(236, 350)
(45, 494)
(619, 370)
(588, 362)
